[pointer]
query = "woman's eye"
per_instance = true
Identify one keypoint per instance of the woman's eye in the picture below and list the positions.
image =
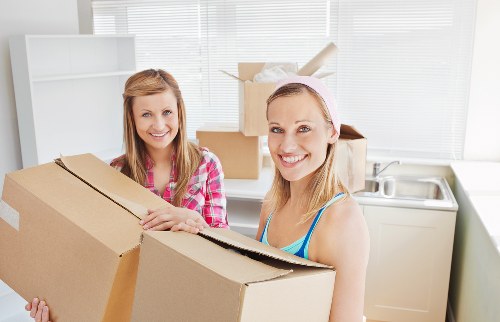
(146, 115)
(167, 112)
(304, 129)
(276, 130)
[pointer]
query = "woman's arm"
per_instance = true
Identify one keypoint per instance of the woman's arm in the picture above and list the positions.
(214, 210)
(213, 204)
(344, 244)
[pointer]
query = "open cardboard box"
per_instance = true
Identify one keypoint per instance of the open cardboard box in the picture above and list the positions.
(220, 275)
(350, 158)
(70, 235)
(253, 96)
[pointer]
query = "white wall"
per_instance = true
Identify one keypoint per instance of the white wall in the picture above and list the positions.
(25, 17)
(483, 130)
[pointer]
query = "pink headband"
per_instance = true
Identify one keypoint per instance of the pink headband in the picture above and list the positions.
(320, 88)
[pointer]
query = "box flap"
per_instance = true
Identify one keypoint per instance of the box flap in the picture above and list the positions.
(231, 75)
(348, 132)
(245, 243)
(117, 187)
(246, 71)
(226, 262)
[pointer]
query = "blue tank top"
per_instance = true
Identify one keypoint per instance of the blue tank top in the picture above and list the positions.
(300, 247)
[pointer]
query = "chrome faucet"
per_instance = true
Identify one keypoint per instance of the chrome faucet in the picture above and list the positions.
(376, 167)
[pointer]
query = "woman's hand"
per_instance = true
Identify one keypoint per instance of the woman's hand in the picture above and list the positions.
(38, 310)
(169, 216)
(190, 226)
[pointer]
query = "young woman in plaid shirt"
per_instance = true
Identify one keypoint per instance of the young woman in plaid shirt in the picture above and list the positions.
(159, 156)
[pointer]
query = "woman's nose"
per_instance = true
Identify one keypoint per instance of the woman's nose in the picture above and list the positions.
(158, 123)
(289, 143)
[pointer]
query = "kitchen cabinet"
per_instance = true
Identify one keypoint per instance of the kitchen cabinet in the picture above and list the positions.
(68, 92)
(409, 266)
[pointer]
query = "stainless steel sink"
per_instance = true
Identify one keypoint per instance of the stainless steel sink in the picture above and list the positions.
(406, 191)
(432, 189)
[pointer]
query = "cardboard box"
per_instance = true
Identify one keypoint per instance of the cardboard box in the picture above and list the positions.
(253, 100)
(70, 235)
(241, 156)
(350, 158)
(220, 275)
(253, 95)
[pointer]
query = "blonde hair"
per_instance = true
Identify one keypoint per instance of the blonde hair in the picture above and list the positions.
(188, 155)
(324, 184)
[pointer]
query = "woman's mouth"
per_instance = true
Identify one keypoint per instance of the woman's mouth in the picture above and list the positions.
(291, 160)
(158, 135)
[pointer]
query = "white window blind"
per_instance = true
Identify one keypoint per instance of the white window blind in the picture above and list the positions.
(401, 72)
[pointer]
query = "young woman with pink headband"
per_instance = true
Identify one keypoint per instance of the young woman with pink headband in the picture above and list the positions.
(308, 211)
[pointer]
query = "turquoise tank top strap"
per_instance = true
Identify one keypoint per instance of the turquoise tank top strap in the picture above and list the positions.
(263, 237)
(304, 250)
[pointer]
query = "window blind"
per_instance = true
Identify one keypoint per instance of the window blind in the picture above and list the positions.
(402, 68)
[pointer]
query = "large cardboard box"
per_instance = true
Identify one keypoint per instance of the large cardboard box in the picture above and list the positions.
(220, 275)
(241, 156)
(350, 158)
(69, 234)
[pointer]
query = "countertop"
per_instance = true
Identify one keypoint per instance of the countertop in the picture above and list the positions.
(481, 183)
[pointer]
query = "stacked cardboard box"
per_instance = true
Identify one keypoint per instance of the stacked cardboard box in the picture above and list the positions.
(252, 120)
(240, 155)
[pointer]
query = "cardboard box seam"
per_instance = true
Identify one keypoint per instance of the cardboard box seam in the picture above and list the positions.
(61, 164)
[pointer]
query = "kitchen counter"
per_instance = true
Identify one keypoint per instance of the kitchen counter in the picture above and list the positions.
(481, 184)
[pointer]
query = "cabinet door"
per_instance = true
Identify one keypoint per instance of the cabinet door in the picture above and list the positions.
(409, 266)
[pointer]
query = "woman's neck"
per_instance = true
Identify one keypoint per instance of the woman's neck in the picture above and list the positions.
(161, 157)
(298, 189)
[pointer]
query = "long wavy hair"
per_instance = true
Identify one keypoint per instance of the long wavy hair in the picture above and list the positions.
(187, 155)
(324, 183)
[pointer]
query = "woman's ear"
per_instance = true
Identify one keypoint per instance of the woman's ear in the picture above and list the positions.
(332, 135)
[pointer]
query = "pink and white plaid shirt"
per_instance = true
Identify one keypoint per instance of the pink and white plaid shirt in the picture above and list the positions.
(205, 193)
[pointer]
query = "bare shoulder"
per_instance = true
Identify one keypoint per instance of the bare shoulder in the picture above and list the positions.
(342, 234)
(265, 211)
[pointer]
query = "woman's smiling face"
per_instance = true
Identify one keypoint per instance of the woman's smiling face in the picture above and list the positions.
(298, 135)
(156, 119)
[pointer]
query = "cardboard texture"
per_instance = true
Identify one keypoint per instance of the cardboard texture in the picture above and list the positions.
(350, 158)
(220, 275)
(75, 244)
(241, 156)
